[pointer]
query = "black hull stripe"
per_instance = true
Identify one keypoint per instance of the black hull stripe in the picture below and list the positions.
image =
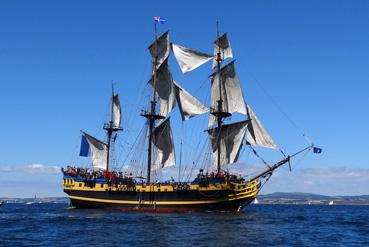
(219, 206)
(151, 202)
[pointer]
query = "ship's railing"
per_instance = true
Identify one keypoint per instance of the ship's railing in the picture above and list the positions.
(251, 185)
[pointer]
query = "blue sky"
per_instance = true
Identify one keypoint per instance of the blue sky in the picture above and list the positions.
(58, 59)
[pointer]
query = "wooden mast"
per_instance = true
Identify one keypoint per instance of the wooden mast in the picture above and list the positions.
(152, 116)
(219, 113)
(110, 129)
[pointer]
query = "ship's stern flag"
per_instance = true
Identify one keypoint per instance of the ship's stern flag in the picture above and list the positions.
(159, 19)
(317, 150)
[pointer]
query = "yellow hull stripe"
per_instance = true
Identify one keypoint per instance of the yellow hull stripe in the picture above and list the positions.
(152, 202)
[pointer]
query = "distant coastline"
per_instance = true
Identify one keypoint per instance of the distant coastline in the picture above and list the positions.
(311, 199)
(295, 198)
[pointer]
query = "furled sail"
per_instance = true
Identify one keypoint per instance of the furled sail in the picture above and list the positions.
(256, 133)
(230, 137)
(223, 46)
(165, 89)
(189, 59)
(160, 49)
(98, 149)
(163, 141)
(231, 91)
(117, 111)
(188, 105)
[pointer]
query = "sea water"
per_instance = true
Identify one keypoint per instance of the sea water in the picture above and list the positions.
(56, 224)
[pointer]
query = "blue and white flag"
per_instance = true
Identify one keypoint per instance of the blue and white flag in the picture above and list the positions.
(317, 150)
(159, 19)
(85, 147)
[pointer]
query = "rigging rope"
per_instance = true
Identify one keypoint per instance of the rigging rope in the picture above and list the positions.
(280, 109)
(301, 158)
(257, 155)
(265, 180)
(134, 144)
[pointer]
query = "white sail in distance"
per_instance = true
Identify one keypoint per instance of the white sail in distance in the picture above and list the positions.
(188, 59)
(117, 111)
(99, 151)
(188, 105)
(232, 96)
(223, 46)
(164, 147)
(164, 89)
(257, 135)
(230, 137)
(160, 49)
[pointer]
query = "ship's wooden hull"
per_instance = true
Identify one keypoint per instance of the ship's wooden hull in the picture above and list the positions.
(164, 198)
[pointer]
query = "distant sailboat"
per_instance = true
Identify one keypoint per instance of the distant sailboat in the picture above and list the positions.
(255, 201)
(331, 203)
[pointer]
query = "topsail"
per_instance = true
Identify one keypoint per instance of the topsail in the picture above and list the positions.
(160, 49)
(164, 89)
(117, 111)
(222, 46)
(231, 91)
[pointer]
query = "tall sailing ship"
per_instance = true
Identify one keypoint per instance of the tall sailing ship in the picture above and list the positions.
(213, 188)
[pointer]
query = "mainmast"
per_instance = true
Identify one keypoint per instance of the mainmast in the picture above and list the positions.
(152, 116)
(111, 128)
(219, 113)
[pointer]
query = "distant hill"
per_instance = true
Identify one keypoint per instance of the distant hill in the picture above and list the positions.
(295, 196)
(310, 198)
(35, 200)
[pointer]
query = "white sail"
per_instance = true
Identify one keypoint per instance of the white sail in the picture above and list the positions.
(223, 46)
(117, 111)
(160, 49)
(188, 105)
(230, 137)
(163, 141)
(256, 133)
(165, 89)
(189, 59)
(99, 151)
(231, 92)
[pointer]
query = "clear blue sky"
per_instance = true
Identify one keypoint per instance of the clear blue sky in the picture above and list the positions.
(58, 59)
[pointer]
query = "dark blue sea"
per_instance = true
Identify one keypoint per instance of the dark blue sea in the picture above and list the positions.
(55, 224)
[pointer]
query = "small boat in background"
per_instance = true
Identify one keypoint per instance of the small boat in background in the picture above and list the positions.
(331, 203)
